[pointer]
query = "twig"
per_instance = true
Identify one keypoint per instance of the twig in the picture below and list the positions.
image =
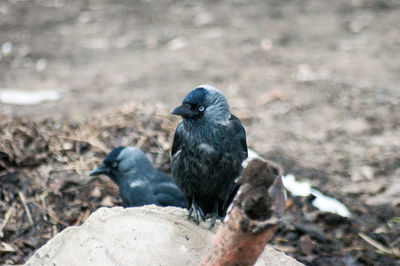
(83, 184)
(68, 169)
(92, 143)
(43, 197)
(6, 219)
(53, 216)
(379, 246)
(55, 231)
(82, 217)
(5, 247)
(252, 217)
(28, 212)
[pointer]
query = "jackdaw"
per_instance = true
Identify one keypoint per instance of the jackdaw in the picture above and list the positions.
(207, 152)
(138, 181)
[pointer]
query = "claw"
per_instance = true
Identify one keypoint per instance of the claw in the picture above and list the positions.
(190, 212)
(203, 217)
(196, 211)
(196, 216)
(213, 220)
(214, 216)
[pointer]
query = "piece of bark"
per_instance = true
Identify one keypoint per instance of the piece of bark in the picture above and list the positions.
(252, 218)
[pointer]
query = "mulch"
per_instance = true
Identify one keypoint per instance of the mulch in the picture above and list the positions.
(45, 187)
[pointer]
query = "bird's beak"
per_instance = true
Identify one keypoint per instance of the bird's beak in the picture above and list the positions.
(100, 170)
(184, 110)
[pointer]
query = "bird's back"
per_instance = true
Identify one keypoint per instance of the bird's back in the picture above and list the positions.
(206, 162)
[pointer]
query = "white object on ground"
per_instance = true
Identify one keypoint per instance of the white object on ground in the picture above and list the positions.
(302, 189)
(252, 154)
(21, 97)
(329, 204)
(321, 201)
(7, 48)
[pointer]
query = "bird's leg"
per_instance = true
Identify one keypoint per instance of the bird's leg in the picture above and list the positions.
(196, 210)
(214, 216)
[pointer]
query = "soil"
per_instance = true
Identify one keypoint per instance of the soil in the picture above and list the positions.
(314, 82)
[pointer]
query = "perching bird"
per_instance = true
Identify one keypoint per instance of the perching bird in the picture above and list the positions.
(139, 183)
(208, 149)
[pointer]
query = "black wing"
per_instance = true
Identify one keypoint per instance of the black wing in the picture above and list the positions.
(168, 194)
(176, 144)
(240, 133)
(136, 197)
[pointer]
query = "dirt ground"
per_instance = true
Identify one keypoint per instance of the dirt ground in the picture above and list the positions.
(315, 83)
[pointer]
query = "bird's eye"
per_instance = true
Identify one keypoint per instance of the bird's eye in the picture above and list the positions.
(114, 165)
(201, 108)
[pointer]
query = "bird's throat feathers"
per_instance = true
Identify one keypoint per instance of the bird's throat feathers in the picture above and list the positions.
(199, 131)
(204, 123)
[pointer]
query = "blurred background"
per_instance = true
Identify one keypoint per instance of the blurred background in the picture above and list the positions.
(315, 82)
(101, 53)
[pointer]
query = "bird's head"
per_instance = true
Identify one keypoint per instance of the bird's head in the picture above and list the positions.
(204, 102)
(123, 160)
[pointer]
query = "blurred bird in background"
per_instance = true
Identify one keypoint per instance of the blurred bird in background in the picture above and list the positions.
(208, 148)
(138, 181)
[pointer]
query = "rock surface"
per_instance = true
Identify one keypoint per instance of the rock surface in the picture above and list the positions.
(147, 235)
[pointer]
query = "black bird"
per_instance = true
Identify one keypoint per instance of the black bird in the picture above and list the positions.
(207, 152)
(138, 181)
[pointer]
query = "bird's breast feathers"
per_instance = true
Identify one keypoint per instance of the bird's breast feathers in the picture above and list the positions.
(207, 148)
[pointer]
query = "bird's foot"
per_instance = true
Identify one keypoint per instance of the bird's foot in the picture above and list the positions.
(214, 217)
(196, 211)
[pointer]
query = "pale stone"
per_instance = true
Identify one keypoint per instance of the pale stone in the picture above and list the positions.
(147, 235)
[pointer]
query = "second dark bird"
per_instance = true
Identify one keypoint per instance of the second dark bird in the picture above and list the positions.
(207, 152)
(138, 181)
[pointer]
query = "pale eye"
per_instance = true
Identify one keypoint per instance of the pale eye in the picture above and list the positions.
(201, 108)
(114, 165)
